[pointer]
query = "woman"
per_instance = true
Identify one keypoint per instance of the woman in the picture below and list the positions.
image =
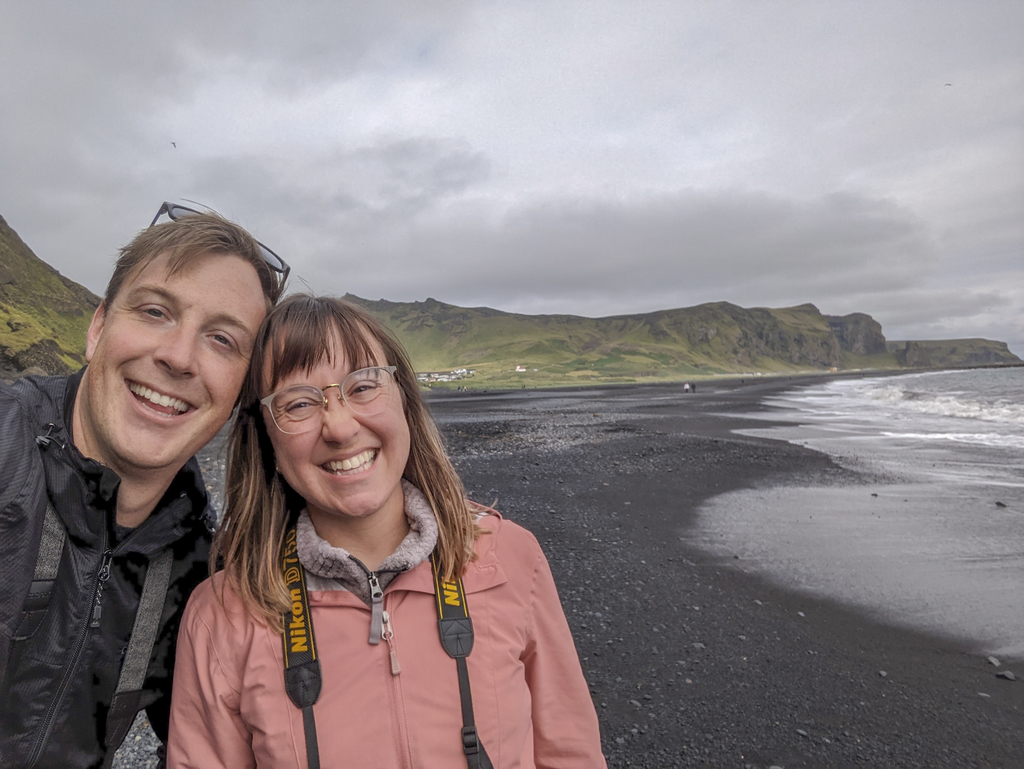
(346, 518)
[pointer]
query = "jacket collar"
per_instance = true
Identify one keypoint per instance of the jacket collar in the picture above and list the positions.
(483, 573)
(185, 503)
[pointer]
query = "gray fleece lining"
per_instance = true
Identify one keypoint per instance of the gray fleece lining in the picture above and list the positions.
(332, 568)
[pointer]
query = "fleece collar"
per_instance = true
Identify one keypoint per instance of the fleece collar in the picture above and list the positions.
(339, 570)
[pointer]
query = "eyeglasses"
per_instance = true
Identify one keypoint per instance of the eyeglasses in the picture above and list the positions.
(300, 408)
(175, 211)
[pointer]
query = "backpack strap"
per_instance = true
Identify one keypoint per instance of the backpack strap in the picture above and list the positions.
(301, 665)
(51, 545)
(125, 705)
(456, 629)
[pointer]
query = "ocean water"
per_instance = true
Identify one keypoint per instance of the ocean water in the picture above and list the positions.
(934, 540)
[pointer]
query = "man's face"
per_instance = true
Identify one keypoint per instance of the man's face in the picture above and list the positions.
(166, 363)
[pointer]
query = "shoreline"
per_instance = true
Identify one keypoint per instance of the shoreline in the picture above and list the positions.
(691, 660)
(714, 381)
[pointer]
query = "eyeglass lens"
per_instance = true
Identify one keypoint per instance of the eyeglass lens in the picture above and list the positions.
(364, 391)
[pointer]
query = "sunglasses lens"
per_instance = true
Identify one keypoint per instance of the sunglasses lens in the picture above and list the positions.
(177, 212)
(276, 262)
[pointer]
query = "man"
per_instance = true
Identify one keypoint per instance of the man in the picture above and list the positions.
(110, 451)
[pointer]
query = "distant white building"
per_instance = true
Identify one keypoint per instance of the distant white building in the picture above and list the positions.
(444, 376)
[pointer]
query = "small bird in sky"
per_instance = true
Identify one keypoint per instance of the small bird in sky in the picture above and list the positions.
(175, 144)
(949, 84)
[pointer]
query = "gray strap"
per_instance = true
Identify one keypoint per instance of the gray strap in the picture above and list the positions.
(125, 705)
(51, 545)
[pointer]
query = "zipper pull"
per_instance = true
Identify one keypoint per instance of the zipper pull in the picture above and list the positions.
(101, 578)
(388, 634)
(376, 608)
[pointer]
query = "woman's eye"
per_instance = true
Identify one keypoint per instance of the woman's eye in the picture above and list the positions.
(363, 389)
(297, 406)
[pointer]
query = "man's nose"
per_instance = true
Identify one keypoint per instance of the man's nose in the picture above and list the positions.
(177, 351)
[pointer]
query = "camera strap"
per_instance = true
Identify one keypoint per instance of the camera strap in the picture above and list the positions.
(302, 666)
(457, 639)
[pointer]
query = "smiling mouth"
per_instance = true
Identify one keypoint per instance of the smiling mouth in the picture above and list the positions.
(351, 465)
(163, 404)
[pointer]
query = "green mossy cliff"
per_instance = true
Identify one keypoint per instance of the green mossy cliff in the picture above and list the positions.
(44, 318)
(43, 315)
(714, 338)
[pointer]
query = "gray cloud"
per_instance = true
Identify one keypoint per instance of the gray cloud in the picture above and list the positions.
(594, 158)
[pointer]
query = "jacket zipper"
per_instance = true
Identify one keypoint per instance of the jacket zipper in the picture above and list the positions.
(101, 581)
(102, 574)
(388, 634)
(376, 608)
(376, 600)
(92, 621)
(399, 716)
(382, 629)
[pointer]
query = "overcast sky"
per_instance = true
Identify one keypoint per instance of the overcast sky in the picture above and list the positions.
(592, 158)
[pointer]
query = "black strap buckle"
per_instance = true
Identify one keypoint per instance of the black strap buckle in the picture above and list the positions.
(470, 742)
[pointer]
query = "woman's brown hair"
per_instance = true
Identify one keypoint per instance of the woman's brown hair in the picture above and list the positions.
(299, 334)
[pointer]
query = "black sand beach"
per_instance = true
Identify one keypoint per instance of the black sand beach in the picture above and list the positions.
(691, 661)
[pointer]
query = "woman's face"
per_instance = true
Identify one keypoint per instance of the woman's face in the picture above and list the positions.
(374, 448)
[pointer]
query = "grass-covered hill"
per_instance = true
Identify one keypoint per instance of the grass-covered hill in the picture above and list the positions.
(43, 315)
(709, 339)
(715, 338)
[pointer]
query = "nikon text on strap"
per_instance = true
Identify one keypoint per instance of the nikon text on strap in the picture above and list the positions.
(301, 666)
(457, 639)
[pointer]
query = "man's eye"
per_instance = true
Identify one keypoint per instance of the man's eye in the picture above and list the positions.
(153, 312)
(224, 340)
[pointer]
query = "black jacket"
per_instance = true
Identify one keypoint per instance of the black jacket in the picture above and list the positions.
(56, 686)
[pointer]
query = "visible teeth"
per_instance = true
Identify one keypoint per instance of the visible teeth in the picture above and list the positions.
(352, 463)
(155, 397)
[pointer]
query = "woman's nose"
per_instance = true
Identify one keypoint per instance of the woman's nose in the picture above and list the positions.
(339, 422)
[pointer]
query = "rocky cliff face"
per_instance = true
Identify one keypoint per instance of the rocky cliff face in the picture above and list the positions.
(953, 353)
(858, 333)
(43, 315)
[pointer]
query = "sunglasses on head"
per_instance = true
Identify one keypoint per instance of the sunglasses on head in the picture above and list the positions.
(176, 211)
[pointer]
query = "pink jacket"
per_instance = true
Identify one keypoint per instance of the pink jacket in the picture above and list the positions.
(532, 705)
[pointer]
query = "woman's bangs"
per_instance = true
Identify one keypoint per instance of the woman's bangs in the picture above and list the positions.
(311, 335)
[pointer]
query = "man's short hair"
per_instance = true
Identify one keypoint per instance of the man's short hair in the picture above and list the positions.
(184, 240)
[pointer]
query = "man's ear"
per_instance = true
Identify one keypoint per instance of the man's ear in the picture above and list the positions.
(92, 336)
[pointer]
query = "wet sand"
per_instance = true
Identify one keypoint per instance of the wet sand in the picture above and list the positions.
(692, 661)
